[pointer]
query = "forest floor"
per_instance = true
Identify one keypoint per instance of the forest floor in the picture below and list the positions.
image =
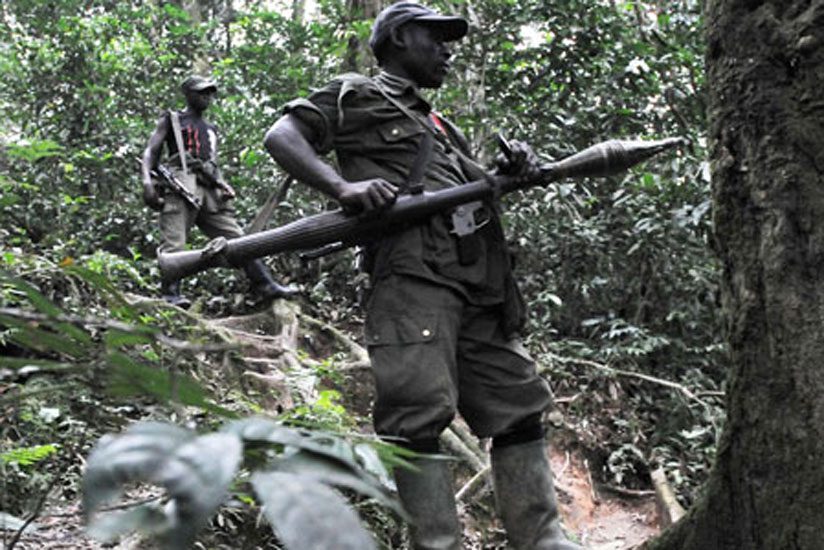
(602, 520)
(598, 519)
(595, 516)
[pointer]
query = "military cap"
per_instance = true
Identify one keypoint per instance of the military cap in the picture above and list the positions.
(196, 83)
(451, 27)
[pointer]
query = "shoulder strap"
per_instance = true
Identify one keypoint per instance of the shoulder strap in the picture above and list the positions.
(414, 183)
(181, 150)
(429, 128)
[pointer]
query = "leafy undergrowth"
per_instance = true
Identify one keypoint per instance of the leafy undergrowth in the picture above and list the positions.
(81, 359)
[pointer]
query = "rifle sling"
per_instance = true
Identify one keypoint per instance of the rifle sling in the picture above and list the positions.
(468, 244)
(181, 150)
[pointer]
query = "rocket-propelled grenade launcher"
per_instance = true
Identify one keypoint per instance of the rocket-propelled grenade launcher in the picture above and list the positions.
(602, 159)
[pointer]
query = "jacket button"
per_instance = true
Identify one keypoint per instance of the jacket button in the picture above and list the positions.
(395, 131)
(426, 333)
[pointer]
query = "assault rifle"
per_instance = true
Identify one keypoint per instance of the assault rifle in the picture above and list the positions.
(168, 179)
(344, 229)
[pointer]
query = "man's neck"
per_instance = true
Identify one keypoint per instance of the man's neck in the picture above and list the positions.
(197, 114)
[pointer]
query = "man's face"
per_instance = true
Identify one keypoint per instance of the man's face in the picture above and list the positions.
(426, 56)
(200, 100)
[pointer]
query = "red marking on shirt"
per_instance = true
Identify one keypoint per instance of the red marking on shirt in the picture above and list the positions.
(193, 140)
(437, 121)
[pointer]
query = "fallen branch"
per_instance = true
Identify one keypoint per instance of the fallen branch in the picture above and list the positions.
(634, 493)
(669, 509)
(356, 350)
(619, 372)
(457, 447)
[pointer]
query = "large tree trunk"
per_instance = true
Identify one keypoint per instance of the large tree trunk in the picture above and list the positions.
(765, 68)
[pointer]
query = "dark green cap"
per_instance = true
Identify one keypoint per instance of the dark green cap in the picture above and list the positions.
(196, 83)
(451, 27)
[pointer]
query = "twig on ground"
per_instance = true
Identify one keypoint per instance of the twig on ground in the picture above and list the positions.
(594, 495)
(471, 488)
(37, 509)
(635, 493)
(564, 468)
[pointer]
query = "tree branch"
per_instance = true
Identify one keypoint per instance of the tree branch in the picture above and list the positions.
(150, 332)
(619, 372)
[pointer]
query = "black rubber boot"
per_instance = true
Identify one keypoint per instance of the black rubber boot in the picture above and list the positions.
(429, 498)
(171, 293)
(264, 287)
(525, 497)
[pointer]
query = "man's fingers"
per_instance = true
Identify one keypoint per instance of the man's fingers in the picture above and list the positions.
(388, 191)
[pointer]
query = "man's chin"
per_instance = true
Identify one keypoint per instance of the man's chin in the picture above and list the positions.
(432, 83)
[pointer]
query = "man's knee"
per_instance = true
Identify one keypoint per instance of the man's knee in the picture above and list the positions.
(528, 429)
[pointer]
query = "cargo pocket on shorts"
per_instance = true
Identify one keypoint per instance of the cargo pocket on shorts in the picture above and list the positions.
(405, 358)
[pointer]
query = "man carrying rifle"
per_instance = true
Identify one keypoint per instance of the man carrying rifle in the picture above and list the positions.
(444, 311)
(193, 191)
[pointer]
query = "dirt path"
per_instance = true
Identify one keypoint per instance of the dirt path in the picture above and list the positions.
(604, 521)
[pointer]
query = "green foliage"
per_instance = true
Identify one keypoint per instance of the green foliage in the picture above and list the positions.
(617, 272)
(27, 456)
(292, 474)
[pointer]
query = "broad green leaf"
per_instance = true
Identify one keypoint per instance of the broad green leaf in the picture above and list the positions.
(307, 515)
(195, 471)
(332, 472)
(197, 477)
(270, 431)
(134, 455)
(372, 463)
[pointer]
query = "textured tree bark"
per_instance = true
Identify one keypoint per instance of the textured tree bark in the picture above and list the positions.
(765, 71)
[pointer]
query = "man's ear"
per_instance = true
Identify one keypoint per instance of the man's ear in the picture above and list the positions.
(397, 37)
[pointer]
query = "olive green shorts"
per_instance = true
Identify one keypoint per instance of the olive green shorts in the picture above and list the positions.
(216, 218)
(433, 355)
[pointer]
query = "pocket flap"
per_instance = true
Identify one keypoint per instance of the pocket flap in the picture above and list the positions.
(399, 130)
(386, 330)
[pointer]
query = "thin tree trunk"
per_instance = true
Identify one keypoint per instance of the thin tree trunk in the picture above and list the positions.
(358, 58)
(298, 10)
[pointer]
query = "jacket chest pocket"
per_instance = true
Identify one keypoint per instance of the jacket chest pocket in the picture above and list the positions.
(399, 130)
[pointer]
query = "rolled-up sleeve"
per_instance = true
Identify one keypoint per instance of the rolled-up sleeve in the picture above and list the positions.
(319, 112)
